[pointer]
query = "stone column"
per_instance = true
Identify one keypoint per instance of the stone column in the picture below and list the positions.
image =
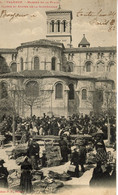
(61, 26)
(48, 26)
(55, 27)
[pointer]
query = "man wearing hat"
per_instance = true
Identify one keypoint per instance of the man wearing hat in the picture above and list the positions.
(33, 153)
(64, 149)
(75, 161)
(3, 175)
(82, 155)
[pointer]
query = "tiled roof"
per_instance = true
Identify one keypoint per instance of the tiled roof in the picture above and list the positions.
(46, 73)
(90, 49)
(43, 74)
(7, 50)
(42, 42)
(57, 74)
(84, 41)
(11, 75)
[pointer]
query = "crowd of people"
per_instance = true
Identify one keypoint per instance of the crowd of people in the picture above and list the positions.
(76, 124)
(63, 127)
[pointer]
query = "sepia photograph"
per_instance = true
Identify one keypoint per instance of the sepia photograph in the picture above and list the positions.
(58, 78)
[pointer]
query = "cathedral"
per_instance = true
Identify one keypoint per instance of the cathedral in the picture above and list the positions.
(51, 76)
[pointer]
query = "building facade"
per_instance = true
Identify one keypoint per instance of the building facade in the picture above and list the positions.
(50, 76)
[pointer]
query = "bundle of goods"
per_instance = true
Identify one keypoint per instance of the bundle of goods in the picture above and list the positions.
(53, 155)
(20, 160)
(14, 177)
(64, 176)
(47, 137)
(83, 139)
(20, 150)
(110, 157)
(47, 185)
(2, 137)
(54, 175)
(91, 158)
(10, 154)
(37, 175)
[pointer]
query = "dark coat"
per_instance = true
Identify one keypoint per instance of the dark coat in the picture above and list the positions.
(75, 158)
(96, 179)
(82, 155)
(75, 161)
(26, 177)
(3, 177)
(33, 150)
(64, 150)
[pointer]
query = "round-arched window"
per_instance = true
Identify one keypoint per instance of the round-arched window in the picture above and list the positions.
(21, 64)
(14, 67)
(88, 66)
(59, 91)
(3, 65)
(36, 63)
(71, 92)
(32, 89)
(111, 65)
(53, 63)
(84, 94)
(100, 66)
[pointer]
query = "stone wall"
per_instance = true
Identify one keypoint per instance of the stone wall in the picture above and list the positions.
(79, 59)
(47, 103)
(8, 58)
(45, 55)
(85, 105)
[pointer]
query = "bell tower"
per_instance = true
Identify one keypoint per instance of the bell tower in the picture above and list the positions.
(59, 26)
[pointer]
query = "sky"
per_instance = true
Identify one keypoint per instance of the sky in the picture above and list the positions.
(99, 30)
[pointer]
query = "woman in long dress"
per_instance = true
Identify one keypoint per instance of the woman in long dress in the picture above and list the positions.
(26, 177)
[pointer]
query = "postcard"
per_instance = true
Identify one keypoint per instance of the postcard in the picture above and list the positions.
(58, 97)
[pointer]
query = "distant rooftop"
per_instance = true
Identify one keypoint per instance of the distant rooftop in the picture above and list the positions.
(7, 50)
(42, 42)
(38, 74)
(59, 10)
(90, 49)
(43, 74)
(84, 42)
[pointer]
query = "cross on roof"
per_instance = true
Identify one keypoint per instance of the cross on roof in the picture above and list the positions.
(59, 4)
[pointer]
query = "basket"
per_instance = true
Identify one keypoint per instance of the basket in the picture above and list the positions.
(72, 168)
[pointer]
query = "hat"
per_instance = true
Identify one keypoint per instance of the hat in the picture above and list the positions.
(73, 148)
(99, 143)
(26, 158)
(99, 131)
